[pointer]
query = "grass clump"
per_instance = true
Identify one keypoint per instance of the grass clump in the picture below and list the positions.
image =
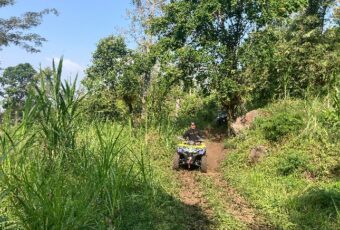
(55, 178)
(279, 125)
(291, 162)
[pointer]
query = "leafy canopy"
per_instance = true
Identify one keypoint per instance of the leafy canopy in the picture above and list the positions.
(12, 30)
(201, 40)
(15, 83)
(115, 74)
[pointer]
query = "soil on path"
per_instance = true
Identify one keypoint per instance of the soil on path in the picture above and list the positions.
(233, 202)
(199, 214)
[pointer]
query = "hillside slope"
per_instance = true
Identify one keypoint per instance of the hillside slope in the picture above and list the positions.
(294, 179)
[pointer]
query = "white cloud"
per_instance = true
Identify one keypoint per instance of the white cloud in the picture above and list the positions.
(70, 68)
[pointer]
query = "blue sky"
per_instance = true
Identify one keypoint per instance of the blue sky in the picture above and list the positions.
(73, 34)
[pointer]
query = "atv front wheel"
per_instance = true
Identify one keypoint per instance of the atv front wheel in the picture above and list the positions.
(175, 163)
(204, 164)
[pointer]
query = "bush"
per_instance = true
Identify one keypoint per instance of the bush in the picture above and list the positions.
(278, 126)
(291, 162)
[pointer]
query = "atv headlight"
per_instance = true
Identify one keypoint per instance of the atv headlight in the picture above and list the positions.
(184, 150)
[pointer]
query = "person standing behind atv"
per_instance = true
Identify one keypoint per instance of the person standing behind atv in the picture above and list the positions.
(193, 134)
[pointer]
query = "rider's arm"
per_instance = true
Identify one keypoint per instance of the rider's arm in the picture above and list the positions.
(186, 134)
(201, 134)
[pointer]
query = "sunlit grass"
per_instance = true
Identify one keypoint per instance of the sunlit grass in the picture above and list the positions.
(296, 184)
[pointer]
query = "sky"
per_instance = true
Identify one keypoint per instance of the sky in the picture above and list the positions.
(73, 34)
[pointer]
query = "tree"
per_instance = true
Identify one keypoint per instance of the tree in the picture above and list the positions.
(316, 10)
(202, 39)
(296, 59)
(15, 83)
(140, 17)
(117, 71)
(12, 29)
(107, 64)
(336, 13)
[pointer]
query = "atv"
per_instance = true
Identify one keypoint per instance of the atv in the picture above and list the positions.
(191, 154)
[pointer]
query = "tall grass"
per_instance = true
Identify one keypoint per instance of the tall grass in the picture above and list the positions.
(57, 173)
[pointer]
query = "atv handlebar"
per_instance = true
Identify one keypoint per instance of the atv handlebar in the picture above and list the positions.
(194, 142)
(190, 142)
(181, 138)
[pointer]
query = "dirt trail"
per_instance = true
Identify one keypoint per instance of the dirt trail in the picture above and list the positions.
(233, 202)
(199, 212)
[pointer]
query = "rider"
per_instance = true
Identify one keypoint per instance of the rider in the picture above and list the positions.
(193, 134)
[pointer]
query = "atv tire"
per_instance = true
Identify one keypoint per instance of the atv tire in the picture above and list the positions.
(175, 163)
(204, 164)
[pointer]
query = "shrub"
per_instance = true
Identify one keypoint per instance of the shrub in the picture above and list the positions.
(291, 162)
(278, 126)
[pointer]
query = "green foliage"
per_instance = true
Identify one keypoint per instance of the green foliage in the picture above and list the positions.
(58, 171)
(12, 29)
(116, 74)
(100, 104)
(178, 107)
(229, 144)
(196, 108)
(16, 82)
(56, 108)
(292, 162)
(296, 58)
(327, 198)
(280, 125)
(331, 115)
(318, 206)
(108, 61)
(202, 39)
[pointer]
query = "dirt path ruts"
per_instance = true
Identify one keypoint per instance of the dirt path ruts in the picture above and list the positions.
(199, 214)
(233, 202)
(236, 205)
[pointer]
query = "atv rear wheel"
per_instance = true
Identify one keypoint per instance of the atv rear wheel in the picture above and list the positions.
(175, 163)
(204, 164)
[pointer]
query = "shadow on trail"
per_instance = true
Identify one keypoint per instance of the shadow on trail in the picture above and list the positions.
(317, 208)
(159, 210)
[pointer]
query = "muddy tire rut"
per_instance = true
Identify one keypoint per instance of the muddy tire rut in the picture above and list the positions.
(193, 195)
